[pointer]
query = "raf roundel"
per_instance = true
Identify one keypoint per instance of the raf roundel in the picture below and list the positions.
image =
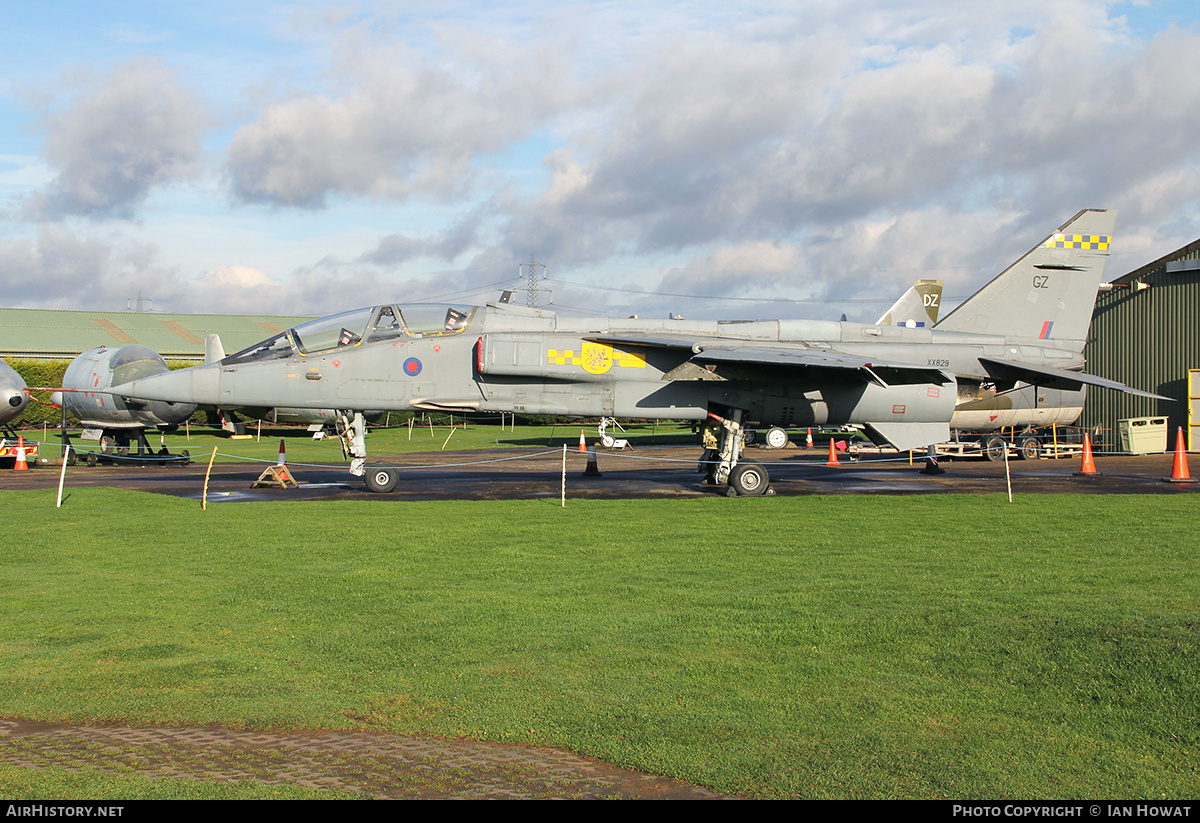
(412, 367)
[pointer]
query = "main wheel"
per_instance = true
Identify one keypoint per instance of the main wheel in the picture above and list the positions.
(108, 444)
(1029, 448)
(994, 449)
(381, 479)
(776, 438)
(749, 479)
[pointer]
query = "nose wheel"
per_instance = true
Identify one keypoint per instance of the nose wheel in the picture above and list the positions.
(748, 480)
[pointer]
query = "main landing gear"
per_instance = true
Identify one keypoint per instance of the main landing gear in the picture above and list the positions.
(721, 464)
(352, 434)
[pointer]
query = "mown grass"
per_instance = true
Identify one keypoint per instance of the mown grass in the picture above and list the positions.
(90, 784)
(946, 646)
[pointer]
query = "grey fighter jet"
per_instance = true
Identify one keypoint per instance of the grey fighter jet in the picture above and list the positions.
(899, 384)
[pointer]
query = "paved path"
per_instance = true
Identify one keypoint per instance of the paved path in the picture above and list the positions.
(376, 765)
(649, 473)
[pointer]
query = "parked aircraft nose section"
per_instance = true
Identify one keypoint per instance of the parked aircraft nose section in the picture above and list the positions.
(95, 371)
(13, 398)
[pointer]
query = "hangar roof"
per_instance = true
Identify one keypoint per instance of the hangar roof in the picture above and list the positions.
(53, 333)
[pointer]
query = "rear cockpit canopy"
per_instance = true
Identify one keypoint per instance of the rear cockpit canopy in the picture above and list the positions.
(352, 328)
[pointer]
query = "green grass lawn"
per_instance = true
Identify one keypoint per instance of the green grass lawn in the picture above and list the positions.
(953, 647)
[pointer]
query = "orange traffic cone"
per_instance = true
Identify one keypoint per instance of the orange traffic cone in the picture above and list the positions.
(593, 467)
(1180, 473)
(808, 441)
(20, 465)
(1088, 467)
(832, 461)
(582, 442)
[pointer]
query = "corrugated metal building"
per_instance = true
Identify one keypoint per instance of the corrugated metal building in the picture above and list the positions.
(1146, 333)
(61, 335)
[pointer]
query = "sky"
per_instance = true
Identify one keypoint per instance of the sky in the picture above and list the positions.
(717, 161)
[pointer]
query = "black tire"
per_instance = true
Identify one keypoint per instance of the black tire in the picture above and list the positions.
(707, 465)
(108, 444)
(381, 479)
(749, 479)
(776, 438)
(1029, 448)
(749, 436)
(187, 457)
(994, 449)
(92, 459)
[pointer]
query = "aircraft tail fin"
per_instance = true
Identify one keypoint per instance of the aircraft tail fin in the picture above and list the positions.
(1048, 294)
(214, 352)
(918, 306)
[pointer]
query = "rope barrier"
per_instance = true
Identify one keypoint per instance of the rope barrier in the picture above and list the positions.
(861, 460)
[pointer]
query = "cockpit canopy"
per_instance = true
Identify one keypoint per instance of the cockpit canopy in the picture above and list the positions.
(134, 362)
(353, 328)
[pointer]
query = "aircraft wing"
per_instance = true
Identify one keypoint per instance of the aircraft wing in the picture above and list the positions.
(722, 350)
(1052, 378)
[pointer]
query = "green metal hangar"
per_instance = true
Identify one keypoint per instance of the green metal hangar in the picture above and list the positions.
(50, 334)
(1146, 333)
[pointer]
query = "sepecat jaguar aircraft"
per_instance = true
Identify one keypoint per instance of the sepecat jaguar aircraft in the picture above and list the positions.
(900, 383)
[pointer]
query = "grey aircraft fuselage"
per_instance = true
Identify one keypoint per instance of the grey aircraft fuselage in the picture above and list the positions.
(899, 383)
(506, 358)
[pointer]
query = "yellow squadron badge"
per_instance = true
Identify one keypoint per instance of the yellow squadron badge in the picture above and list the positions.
(597, 358)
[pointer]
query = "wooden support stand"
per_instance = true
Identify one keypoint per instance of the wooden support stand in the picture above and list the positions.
(275, 474)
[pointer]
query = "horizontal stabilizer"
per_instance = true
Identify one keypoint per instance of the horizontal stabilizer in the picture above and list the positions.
(906, 436)
(1052, 378)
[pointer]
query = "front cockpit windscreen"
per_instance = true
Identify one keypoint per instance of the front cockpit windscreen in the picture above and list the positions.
(370, 325)
(278, 347)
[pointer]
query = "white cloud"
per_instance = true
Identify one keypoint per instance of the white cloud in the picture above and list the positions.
(117, 140)
(403, 126)
(831, 149)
